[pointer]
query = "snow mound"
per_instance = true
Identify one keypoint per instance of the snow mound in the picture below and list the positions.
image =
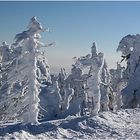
(123, 124)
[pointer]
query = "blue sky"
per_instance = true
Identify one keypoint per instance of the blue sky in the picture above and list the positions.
(74, 26)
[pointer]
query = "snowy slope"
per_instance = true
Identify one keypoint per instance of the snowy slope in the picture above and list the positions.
(124, 124)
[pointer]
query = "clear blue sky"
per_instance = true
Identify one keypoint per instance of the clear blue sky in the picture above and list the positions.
(74, 26)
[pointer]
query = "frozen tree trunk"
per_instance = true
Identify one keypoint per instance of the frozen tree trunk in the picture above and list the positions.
(69, 92)
(104, 87)
(32, 87)
(94, 89)
(61, 81)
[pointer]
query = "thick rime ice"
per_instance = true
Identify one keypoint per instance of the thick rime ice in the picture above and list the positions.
(24, 69)
(51, 100)
(76, 81)
(117, 84)
(129, 46)
(61, 81)
(97, 82)
(5, 52)
(104, 87)
(68, 94)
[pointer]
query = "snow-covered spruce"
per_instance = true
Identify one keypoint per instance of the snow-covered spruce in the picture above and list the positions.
(76, 81)
(130, 48)
(23, 68)
(97, 81)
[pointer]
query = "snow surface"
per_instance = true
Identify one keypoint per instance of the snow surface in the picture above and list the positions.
(123, 124)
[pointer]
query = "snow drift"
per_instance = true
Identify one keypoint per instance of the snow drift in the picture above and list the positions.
(124, 124)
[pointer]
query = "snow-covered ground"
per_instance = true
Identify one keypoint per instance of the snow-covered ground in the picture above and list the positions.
(123, 124)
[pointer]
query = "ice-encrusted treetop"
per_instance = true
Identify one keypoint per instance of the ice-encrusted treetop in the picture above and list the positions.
(130, 48)
(34, 27)
(128, 44)
(94, 50)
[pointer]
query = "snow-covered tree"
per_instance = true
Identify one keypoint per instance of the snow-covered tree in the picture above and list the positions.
(61, 81)
(104, 87)
(51, 100)
(66, 101)
(117, 84)
(93, 84)
(97, 81)
(5, 52)
(19, 98)
(76, 81)
(129, 46)
(10, 86)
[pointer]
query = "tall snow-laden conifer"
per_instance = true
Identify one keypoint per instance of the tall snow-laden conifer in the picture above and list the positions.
(22, 75)
(130, 48)
(97, 80)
